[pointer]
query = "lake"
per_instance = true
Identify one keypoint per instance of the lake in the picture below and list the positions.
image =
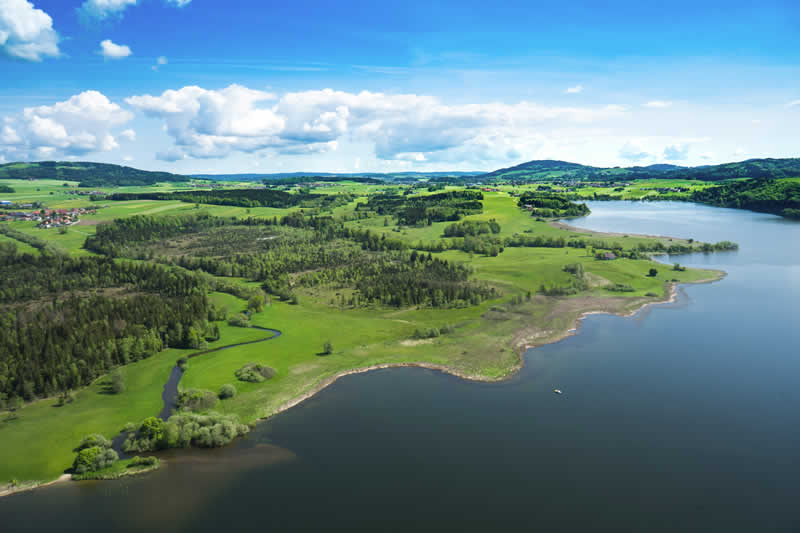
(681, 418)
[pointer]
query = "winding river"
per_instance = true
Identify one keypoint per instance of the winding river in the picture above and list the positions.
(681, 418)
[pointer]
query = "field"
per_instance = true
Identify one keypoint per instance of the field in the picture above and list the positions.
(483, 341)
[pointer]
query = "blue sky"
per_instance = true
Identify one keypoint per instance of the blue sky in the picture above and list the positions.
(382, 86)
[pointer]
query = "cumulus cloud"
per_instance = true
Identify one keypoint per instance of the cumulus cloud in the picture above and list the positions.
(26, 32)
(128, 135)
(657, 104)
(633, 151)
(574, 90)
(179, 3)
(403, 127)
(109, 50)
(103, 9)
(676, 152)
(77, 126)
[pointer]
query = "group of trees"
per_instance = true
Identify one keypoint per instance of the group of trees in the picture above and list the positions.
(62, 329)
(320, 249)
(184, 430)
(549, 205)
(780, 197)
(472, 228)
(412, 210)
(245, 198)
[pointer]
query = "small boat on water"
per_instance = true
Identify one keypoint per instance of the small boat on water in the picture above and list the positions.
(557, 391)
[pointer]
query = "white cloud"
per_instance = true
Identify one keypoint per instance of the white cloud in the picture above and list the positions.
(634, 151)
(103, 9)
(128, 135)
(77, 126)
(574, 90)
(159, 62)
(179, 3)
(793, 103)
(214, 123)
(676, 152)
(657, 104)
(707, 156)
(109, 50)
(25, 32)
(127, 158)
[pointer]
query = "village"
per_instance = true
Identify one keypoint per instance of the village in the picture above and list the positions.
(48, 218)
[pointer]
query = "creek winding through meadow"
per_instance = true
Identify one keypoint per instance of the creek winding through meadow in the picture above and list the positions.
(170, 393)
(681, 418)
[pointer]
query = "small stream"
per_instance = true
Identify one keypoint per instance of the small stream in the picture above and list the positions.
(170, 392)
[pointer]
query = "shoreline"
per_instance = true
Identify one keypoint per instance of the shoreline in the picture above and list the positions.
(671, 290)
(25, 488)
(561, 225)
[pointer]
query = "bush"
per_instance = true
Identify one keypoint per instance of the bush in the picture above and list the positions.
(94, 459)
(94, 453)
(256, 303)
(653, 273)
(143, 461)
(327, 348)
(197, 400)
(227, 391)
(117, 383)
(182, 363)
(254, 373)
(92, 441)
(620, 287)
(241, 320)
(426, 333)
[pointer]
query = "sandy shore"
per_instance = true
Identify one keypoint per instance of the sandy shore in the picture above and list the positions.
(31, 486)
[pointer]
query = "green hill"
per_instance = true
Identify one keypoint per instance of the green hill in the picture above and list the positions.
(546, 170)
(88, 174)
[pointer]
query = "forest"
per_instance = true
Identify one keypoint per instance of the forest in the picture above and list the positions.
(294, 250)
(411, 210)
(245, 198)
(551, 205)
(779, 197)
(66, 320)
(88, 174)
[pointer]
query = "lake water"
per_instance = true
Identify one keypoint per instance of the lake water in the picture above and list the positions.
(682, 418)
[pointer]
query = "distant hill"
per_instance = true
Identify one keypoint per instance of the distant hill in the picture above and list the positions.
(88, 174)
(388, 176)
(546, 170)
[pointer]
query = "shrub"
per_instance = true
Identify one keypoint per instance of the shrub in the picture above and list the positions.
(182, 363)
(94, 459)
(653, 273)
(426, 333)
(92, 441)
(241, 320)
(227, 391)
(143, 461)
(117, 383)
(327, 348)
(254, 373)
(620, 287)
(197, 400)
(94, 453)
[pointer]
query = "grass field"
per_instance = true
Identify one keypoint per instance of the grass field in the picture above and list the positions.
(486, 341)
